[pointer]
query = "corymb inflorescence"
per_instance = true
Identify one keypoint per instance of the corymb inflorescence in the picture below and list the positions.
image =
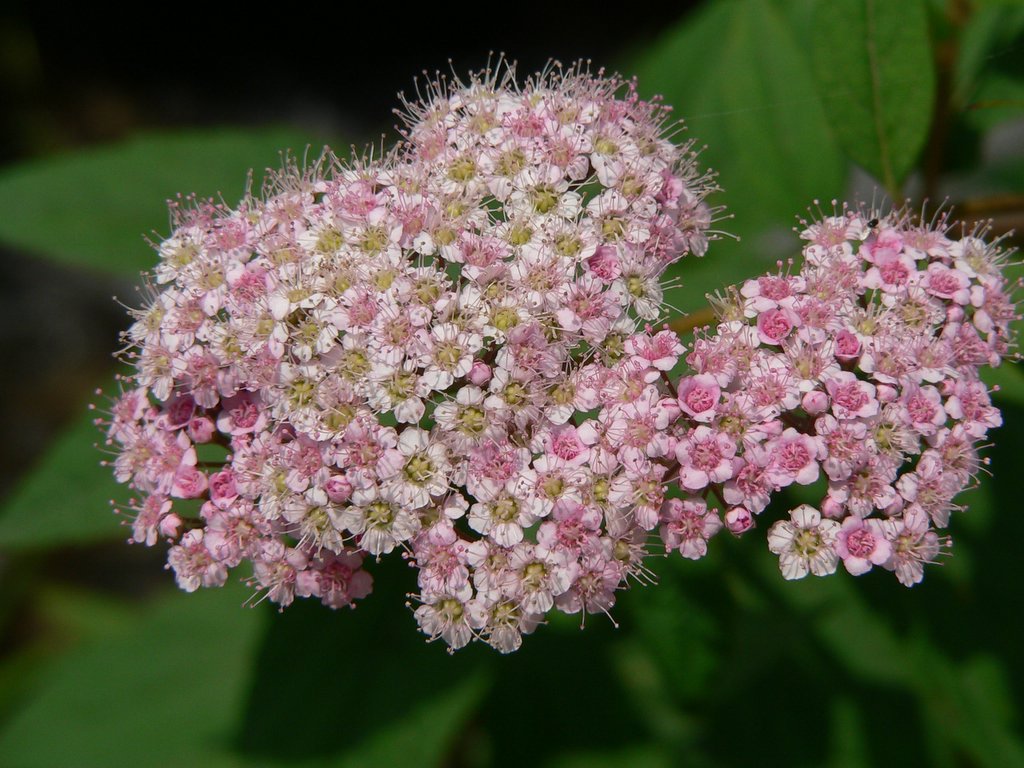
(452, 354)
(440, 353)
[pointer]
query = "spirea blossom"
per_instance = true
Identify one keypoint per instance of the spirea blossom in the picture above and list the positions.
(859, 372)
(444, 353)
(452, 355)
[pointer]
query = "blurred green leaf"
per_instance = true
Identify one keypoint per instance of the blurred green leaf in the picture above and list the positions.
(424, 735)
(970, 712)
(94, 208)
(988, 708)
(66, 498)
(997, 3)
(876, 76)
(1010, 379)
(676, 631)
(634, 757)
(849, 747)
(997, 98)
(738, 77)
(651, 692)
(78, 613)
(66, 616)
(366, 688)
(860, 638)
(162, 692)
(985, 40)
(19, 673)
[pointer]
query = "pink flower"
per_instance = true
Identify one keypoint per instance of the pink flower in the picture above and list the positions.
(851, 397)
(773, 325)
(446, 614)
(947, 283)
(969, 404)
(844, 445)
(660, 351)
(913, 544)
(573, 527)
(861, 544)
(178, 412)
(189, 483)
(749, 486)
(848, 346)
(704, 457)
(565, 444)
(699, 396)
(924, 411)
(793, 458)
(891, 272)
(241, 415)
(605, 263)
(194, 566)
(223, 490)
(687, 526)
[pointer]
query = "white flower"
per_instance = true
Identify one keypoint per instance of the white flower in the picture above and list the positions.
(804, 543)
(416, 470)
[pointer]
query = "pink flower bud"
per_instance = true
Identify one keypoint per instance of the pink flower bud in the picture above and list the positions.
(222, 488)
(832, 508)
(189, 483)
(480, 373)
(178, 412)
(338, 489)
(170, 526)
(847, 345)
(201, 429)
(896, 507)
(739, 520)
(815, 402)
(886, 393)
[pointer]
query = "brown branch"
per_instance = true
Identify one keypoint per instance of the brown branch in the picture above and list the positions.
(689, 323)
(946, 54)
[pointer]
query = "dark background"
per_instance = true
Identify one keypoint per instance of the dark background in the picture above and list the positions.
(75, 77)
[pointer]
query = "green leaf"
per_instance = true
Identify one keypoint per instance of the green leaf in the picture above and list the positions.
(364, 687)
(849, 748)
(68, 615)
(162, 692)
(997, 99)
(876, 77)
(986, 40)
(969, 709)
(65, 499)
(635, 757)
(94, 208)
(989, 713)
(422, 737)
(985, 4)
(739, 77)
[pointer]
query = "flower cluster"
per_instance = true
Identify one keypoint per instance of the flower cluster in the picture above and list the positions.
(443, 353)
(448, 354)
(860, 370)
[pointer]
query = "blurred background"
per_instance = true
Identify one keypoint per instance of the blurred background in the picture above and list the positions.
(104, 116)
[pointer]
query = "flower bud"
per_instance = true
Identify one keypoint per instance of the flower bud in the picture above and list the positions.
(739, 520)
(814, 402)
(201, 429)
